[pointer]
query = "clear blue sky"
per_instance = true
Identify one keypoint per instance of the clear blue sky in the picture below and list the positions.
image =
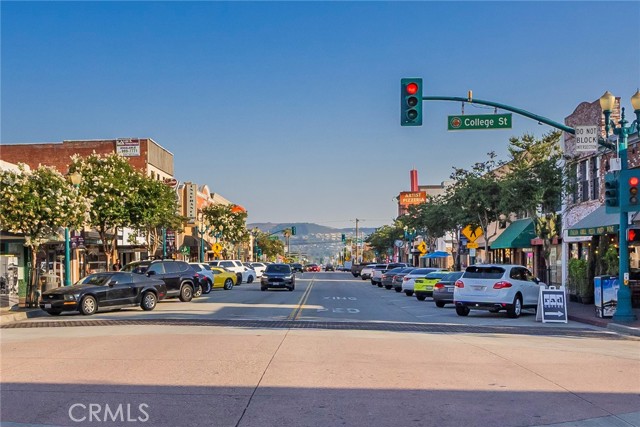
(292, 109)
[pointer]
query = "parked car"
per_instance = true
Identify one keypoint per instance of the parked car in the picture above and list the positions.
(380, 269)
(423, 286)
(329, 267)
(278, 276)
(367, 270)
(356, 269)
(258, 267)
(205, 270)
(408, 281)
(245, 275)
(181, 279)
(297, 267)
(443, 289)
(398, 278)
(496, 287)
(387, 277)
(223, 278)
(105, 291)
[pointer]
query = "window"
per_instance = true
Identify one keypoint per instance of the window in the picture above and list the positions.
(172, 267)
(476, 272)
(156, 268)
(583, 180)
(595, 178)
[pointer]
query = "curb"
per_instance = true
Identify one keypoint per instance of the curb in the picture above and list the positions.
(616, 327)
(623, 329)
(21, 315)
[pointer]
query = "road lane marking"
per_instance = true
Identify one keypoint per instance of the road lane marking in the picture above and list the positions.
(296, 311)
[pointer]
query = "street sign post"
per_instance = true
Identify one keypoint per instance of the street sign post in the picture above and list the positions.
(479, 122)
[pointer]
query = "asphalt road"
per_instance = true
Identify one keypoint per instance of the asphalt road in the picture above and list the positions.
(278, 360)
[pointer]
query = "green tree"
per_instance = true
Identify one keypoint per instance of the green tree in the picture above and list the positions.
(479, 195)
(383, 238)
(110, 183)
(153, 207)
(534, 183)
(37, 204)
(228, 223)
(271, 248)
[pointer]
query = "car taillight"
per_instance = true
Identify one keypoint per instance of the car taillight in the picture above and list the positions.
(459, 284)
(439, 285)
(502, 285)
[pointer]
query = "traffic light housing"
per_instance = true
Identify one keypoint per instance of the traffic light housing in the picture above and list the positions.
(411, 102)
(611, 193)
(633, 190)
(344, 238)
(293, 230)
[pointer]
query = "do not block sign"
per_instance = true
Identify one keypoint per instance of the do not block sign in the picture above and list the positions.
(552, 306)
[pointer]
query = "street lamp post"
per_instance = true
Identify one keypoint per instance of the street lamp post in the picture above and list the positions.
(254, 233)
(624, 312)
(201, 232)
(409, 235)
(75, 181)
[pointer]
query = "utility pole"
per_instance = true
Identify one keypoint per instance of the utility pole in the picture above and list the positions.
(356, 260)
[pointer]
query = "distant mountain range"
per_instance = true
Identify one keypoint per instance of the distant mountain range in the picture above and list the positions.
(305, 228)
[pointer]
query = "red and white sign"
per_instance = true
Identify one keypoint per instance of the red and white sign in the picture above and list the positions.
(171, 182)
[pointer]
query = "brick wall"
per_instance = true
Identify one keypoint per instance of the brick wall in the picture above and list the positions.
(59, 154)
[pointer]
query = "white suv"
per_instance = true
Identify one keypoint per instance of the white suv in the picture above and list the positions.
(244, 274)
(496, 287)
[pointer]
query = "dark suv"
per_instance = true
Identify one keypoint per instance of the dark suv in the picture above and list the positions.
(181, 279)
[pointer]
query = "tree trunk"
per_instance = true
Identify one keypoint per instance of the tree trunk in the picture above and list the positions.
(33, 285)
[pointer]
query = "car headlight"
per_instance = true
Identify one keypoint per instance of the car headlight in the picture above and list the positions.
(288, 277)
(69, 297)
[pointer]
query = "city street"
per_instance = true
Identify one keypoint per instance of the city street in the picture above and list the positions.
(250, 358)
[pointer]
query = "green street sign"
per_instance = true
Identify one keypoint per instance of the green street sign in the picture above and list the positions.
(479, 122)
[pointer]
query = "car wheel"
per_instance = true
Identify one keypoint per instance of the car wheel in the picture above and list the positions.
(186, 293)
(408, 293)
(54, 312)
(421, 297)
(439, 304)
(88, 305)
(398, 289)
(228, 284)
(462, 310)
(198, 292)
(250, 279)
(262, 288)
(388, 287)
(291, 288)
(149, 301)
(373, 283)
(379, 285)
(207, 287)
(516, 308)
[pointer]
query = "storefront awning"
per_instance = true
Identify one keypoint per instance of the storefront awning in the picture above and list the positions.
(597, 222)
(194, 242)
(517, 235)
(436, 254)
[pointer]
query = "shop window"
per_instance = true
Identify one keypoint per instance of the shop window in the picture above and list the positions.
(583, 180)
(595, 178)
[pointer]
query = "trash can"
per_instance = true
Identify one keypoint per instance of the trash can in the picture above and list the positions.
(605, 295)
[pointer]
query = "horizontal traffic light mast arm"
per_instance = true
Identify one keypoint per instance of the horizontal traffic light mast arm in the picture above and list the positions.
(504, 107)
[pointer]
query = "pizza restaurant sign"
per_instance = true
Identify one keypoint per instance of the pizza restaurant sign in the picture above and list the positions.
(412, 197)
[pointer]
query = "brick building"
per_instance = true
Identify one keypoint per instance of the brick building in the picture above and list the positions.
(144, 154)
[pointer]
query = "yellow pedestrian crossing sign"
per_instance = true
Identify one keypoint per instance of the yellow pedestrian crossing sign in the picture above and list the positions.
(217, 248)
(470, 234)
(422, 247)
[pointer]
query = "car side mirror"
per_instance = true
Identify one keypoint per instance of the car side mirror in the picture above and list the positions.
(111, 283)
(536, 280)
(150, 273)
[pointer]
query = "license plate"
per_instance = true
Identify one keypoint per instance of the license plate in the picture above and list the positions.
(47, 306)
(478, 288)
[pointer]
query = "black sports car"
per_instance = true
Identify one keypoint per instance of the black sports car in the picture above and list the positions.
(109, 290)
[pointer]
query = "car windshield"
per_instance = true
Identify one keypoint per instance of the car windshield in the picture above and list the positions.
(452, 277)
(477, 272)
(95, 280)
(395, 270)
(281, 269)
(437, 275)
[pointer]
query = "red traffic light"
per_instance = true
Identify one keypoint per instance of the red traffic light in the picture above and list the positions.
(412, 88)
(633, 181)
